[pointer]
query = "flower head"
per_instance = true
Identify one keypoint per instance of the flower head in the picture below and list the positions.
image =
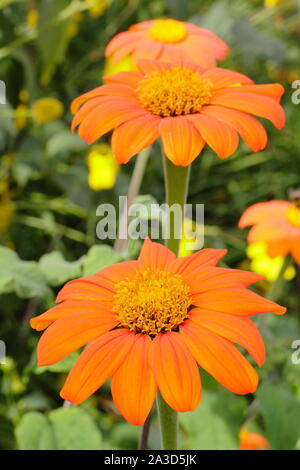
(168, 40)
(263, 264)
(47, 109)
(184, 105)
(103, 168)
(149, 322)
(277, 224)
(252, 440)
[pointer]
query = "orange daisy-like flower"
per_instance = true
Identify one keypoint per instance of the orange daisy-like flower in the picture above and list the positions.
(149, 322)
(184, 105)
(276, 223)
(252, 440)
(168, 40)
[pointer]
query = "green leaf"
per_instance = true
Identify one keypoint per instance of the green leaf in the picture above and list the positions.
(281, 412)
(57, 270)
(74, 429)
(63, 366)
(216, 422)
(98, 257)
(63, 142)
(29, 280)
(34, 432)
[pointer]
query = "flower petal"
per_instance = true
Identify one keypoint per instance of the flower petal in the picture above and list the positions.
(272, 90)
(123, 44)
(259, 105)
(262, 210)
(133, 136)
(237, 301)
(176, 372)
(249, 128)
(69, 333)
(114, 89)
(189, 265)
(220, 358)
(239, 330)
(133, 386)
(106, 116)
(96, 364)
(222, 138)
(181, 141)
(154, 256)
(223, 78)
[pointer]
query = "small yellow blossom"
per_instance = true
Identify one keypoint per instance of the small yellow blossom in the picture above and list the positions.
(124, 65)
(47, 109)
(21, 116)
(73, 27)
(272, 3)
(7, 211)
(192, 235)
(263, 264)
(32, 18)
(103, 167)
(98, 7)
(24, 96)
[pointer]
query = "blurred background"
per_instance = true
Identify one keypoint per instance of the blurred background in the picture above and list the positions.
(50, 52)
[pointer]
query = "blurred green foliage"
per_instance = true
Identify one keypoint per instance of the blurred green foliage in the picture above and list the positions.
(54, 48)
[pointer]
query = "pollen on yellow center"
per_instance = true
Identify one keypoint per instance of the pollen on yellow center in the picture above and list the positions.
(175, 91)
(293, 215)
(169, 31)
(152, 302)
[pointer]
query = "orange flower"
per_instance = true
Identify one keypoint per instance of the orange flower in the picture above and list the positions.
(276, 223)
(149, 322)
(184, 105)
(252, 441)
(168, 40)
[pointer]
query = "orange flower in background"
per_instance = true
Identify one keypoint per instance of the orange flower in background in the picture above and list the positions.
(252, 440)
(184, 105)
(149, 322)
(276, 223)
(168, 40)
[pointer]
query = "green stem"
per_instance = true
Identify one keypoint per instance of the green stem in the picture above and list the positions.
(176, 183)
(168, 421)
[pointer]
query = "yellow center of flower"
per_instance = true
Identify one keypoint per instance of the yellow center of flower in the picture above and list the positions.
(152, 302)
(293, 215)
(174, 92)
(169, 31)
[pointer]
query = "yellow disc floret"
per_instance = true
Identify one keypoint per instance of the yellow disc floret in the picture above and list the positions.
(293, 215)
(168, 31)
(152, 302)
(175, 91)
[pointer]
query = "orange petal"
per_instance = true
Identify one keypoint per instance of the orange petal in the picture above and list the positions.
(181, 141)
(133, 386)
(119, 90)
(223, 78)
(273, 90)
(220, 358)
(259, 105)
(237, 301)
(96, 364)
(133, 136)
(249, 128)
(147, 48)
(189, 265)
(222, 138)
(176, 372)
(154, 256)
(274, 229)
(86, 288)
(262, 210)
(42, 321)
(123, 44)
(239, 330)
(130, 79)
(106, 116)
(69, 333)
(208, 278)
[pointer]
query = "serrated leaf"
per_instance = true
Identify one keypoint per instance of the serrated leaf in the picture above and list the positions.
(98, 257)
(57, 270)
(216, 422)
(34, 432)
(281, 412)
(74, 429)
